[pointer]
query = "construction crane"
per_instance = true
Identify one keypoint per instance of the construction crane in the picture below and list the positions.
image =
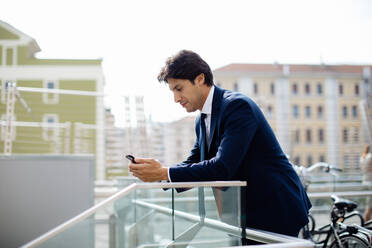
(12, 95)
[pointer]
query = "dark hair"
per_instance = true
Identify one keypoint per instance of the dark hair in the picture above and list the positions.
(186, 65)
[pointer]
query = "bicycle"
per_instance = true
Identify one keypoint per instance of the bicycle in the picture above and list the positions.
(304, 174)
(337, 233)
(344, 235)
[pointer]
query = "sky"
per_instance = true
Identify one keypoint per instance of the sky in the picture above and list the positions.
(134, 38)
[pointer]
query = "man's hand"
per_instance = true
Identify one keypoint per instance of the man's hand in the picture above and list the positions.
(148, 170)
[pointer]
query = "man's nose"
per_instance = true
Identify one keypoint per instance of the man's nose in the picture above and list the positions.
(177, 97)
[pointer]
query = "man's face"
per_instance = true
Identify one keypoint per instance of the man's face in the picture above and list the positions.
(190, 96)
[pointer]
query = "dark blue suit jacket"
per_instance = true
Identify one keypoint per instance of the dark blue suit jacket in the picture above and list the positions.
(243, 147)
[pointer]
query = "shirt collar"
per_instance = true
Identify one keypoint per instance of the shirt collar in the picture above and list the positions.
(207, 107)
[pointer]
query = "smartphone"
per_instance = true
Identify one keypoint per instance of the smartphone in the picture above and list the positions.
(131, 158)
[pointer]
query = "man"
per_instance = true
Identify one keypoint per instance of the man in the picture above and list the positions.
(239, 145)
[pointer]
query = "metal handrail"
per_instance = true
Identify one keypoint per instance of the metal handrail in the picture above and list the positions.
(297, 244)
(339, 193)
(122, 193)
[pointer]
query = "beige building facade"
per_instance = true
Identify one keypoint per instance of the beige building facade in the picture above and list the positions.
(314, 110)
(179, 139)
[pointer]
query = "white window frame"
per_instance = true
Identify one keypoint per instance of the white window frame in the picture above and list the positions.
(46, 96)
(3, 59)
(46, 130)
(5, 55)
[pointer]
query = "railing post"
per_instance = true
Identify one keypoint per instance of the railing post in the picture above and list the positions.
(112, 231)
(201, 204)
(173, 217)
(243, 215)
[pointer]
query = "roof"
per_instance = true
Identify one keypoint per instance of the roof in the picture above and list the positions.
(246, 68)
(21, 37)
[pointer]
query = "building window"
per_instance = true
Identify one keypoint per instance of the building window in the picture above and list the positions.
(272, 88)
(356, 162)
(307, 89)
(321, 158)
(139, 99)
(319, 89)
(345, 135)
(236, 87)
(308, 111)
(309, 160)
(295, 111)
(340, 89)
(50, 98)
(321, 136)
(356, 135)
(356, 89)
(255, 88)
(308, 136)
(297, 160)
(50, 130)
(355, 111)
(297, 136)
(346, 162)
(320, 112)
(269, 112)
(294, 89)
(51, 85)
(344, 111)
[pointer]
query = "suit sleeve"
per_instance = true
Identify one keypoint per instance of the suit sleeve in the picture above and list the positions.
(238, 125)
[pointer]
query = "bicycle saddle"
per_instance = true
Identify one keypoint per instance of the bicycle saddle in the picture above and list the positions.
(341, 203)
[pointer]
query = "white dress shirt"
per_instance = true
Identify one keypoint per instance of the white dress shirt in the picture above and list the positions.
(207, 109)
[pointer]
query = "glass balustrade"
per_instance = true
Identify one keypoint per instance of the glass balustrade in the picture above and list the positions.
(205, 214)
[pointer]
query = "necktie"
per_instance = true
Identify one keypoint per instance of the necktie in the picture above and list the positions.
(202, 158)
(203, 136)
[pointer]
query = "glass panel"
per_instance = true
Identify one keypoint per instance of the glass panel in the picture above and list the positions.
(153, 221)
(144, 218)
(220, 204)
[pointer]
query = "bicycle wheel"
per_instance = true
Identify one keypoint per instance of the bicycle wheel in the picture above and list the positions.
(311, 223)
(354, 218)
(350, 241)
(307, 230)
(319, 235)
(368, 224)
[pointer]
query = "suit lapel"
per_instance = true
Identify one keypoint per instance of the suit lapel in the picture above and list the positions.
(216, 104)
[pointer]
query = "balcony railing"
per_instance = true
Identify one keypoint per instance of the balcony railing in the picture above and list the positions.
(149, 215)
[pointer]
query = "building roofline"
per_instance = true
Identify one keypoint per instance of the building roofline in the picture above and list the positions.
(34, 47)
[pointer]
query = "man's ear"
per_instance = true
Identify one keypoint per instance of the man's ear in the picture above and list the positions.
(199, 80)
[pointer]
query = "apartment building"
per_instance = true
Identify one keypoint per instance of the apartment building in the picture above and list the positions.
(313, 109)
(115, 145)
(49, 106)
(179, 138)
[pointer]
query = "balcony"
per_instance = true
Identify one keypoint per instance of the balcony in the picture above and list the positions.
(154, 215)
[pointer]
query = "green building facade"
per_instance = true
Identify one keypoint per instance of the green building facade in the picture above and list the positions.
(58, 103)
